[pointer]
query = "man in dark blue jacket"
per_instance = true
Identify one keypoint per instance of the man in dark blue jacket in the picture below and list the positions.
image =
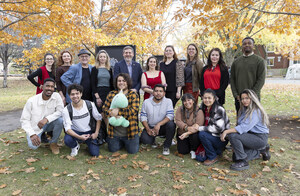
(130, 67)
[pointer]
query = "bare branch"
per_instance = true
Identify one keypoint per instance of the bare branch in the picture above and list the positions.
(269, 12)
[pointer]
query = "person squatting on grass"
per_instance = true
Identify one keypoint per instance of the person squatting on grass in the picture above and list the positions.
(79, 124)
(216, 121)
(119, 136)
(249, 139)
(186, 116)
(157, 117)
(42, 113)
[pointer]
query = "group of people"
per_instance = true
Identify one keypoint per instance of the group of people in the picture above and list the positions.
(83, 104)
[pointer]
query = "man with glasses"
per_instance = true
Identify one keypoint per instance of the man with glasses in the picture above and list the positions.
(80, 74)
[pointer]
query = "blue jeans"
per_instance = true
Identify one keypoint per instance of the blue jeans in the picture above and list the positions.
(213, 145)
(116, 143)
(56, 126)
(92, 144)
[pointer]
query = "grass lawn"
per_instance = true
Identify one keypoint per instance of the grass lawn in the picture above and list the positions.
(146, 173)
(28, 172)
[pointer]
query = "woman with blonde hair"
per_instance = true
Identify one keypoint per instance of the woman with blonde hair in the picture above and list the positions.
(102, 84)
(63, 65)
(249, 139)
(173, 71)
(192, 71)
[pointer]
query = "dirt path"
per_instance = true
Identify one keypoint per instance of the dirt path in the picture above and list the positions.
(281, 127)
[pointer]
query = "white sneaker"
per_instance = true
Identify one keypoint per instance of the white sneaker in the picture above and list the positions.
(166, 151)
(174, 142)
(74, 151)
(193, 155)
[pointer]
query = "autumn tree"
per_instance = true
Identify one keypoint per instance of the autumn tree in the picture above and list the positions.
(233, 20)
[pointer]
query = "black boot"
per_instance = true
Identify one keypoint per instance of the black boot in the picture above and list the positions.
(266, 153)
(44, 138)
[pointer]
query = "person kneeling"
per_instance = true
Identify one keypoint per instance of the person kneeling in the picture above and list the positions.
(42, 113)
(80, 118)
(186, 116)
(119, 136)
(249, 139)
(157, 116)
(216, 121)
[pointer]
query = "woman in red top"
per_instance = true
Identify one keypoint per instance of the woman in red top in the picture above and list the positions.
(44, 72)
(215, 75)
(151, 77)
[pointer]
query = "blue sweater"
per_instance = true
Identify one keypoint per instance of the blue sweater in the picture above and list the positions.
(254, 124)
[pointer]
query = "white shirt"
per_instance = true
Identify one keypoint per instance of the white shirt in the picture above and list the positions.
(36, 109)
(81, 118)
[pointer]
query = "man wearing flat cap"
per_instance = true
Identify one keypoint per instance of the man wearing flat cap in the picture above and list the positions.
(80, 74)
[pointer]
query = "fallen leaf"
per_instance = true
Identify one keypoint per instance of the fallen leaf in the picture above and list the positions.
(265, 190)
(124, 156)
(162, 157)
(55, 174)
(45, 168)
(84, 177)
(31, 160)
(282, 150)
(202, 174)
(266, 169)
(154, 172)
(103, 190)
(17, 192)
(4, 170)
(178, 186)
(121, 190)
(70, 158)
(136, 186)
(116, 154)
(28, 170)
(184, 181)
(218, 189)
(45, 180)
(89, 171)
(2, 186)
(237, 192)
(124, 166)
(96, 176)
(83, 187)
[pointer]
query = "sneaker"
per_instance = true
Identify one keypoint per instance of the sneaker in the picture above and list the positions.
(166, 151)
(54, 148)
(193, 155)
(240, 165)
(174, 142)
(154, 145)
(208, 162)
(266, 153)
(74, 151)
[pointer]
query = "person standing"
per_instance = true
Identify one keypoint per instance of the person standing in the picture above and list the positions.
(102, 84)
(157, 117)
(173, 70)
(215, 75)
(247, 72)
(42, 113)
(151, 77)
(44, 72)
(118, 136)
(127, 65)
(192, 71)
(63, 65)
(80, 74)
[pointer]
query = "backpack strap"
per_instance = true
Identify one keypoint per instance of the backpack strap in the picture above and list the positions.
(92, 122)
(70, 110)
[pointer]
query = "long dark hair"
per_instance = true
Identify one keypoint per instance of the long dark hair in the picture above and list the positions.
(148, 60)
(214, 105)
(221, 60)
(53, 65)
(184, 112)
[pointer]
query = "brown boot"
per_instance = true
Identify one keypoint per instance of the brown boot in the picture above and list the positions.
(54, 148)
(210, 162)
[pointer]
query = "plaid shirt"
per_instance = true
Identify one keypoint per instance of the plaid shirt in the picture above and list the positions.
(130, 113)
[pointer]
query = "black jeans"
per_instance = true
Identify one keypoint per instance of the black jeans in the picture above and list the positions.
(186, 145)
(167, 129)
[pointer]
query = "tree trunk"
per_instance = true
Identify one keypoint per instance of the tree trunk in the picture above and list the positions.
(229, 57)
(5, 72)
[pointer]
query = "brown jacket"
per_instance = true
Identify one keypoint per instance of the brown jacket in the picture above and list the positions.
(189, 122)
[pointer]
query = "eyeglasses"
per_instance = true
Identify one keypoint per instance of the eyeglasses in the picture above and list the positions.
(49, 59)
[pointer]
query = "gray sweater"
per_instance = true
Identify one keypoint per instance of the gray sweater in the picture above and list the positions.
(153, 112)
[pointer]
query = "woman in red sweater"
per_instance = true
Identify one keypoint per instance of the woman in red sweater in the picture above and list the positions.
(215, 75)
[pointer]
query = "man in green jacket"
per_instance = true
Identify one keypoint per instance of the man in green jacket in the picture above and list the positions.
(247, 72)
